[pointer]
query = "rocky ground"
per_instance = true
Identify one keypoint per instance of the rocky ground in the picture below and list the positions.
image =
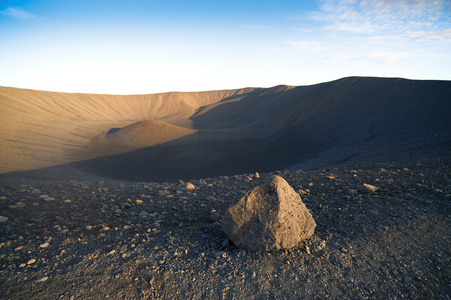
(383, 233)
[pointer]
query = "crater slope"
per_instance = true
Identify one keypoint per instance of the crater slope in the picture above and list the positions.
(179, 135)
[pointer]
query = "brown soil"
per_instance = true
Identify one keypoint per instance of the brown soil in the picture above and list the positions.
(389, 244)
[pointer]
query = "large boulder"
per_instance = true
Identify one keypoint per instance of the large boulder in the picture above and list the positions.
(270, 217)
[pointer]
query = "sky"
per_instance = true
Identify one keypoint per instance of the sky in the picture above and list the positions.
(152, 46)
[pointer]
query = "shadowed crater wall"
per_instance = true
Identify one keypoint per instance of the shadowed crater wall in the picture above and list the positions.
(192, 135)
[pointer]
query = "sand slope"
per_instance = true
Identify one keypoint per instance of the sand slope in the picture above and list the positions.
(171, 135)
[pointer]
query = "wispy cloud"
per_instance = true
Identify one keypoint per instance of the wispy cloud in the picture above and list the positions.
(17, 13)
(360, 33)
(376, 16)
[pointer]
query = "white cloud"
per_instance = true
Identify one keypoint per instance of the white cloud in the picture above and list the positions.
(376, 16)
(17, 13)
(444, 36)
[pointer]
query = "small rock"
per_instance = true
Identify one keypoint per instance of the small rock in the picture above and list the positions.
(371, 188)
(164, 193)
(31, 261)
(321, 245)
(20, 205)
(190, 186)
(88, 227)
(74, 183)
(67, 201)
(3, 219)
(302, 192)
(48, 199)
(35, 191)
(45, 245)
(43, 279)
(22, 265)
(139, 202)
(143, 214)
(105, 190)
(256, 175)
(214, 215)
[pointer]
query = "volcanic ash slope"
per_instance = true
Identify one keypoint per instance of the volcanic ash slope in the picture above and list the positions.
(174, 135)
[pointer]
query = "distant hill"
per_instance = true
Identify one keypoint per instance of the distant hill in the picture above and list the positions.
(190, 135)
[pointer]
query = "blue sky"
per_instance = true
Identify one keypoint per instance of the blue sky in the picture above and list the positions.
(136, 47)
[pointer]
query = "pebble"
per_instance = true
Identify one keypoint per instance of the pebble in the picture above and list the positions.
(190, 186)
(3, 219)
(321, 245)
(164, 193)
(371, 188)
(31, 261)
(139, 202)
(214, 215)
(143, 214)
(74, 183)
(20, 205)
(45, 245)
(48, 199)
(88, 227)
(43, 279)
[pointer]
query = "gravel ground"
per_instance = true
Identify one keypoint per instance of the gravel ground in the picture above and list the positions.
(383, 233)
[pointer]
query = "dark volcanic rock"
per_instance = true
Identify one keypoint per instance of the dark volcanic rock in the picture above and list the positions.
(270, 217)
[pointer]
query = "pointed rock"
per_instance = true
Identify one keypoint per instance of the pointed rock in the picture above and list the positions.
(270, 217)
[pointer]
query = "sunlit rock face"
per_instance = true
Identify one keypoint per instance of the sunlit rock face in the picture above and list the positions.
(270, 217)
